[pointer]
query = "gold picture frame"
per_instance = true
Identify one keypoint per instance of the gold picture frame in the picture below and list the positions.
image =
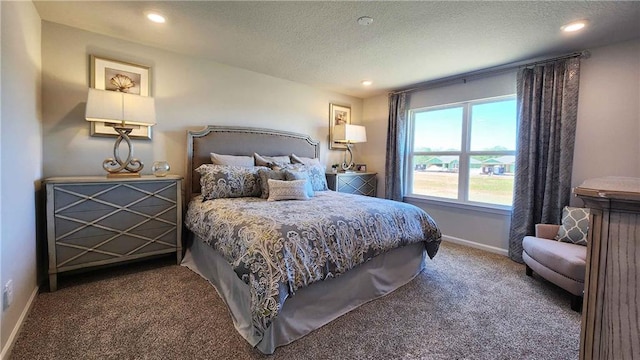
(132, 78)
(338, 115)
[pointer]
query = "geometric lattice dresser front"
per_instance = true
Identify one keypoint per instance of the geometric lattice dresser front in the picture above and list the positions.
(94, 221)
(360, 183)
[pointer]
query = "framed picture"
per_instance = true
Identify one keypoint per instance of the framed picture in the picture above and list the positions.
(114, 75)
(338, 115)
(361, 168)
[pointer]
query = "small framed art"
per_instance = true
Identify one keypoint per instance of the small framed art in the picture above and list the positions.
(338, 115)
(361, 168)
(115, 75)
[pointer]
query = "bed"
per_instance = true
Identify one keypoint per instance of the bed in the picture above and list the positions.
(285, 268)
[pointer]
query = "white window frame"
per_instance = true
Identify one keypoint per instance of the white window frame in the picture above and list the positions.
(464, 155)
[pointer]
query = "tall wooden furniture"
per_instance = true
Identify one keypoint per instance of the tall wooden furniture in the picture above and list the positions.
(360, 183)
(611, 310)
(95, 221)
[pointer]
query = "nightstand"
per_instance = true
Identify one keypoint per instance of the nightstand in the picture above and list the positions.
(361, 183)
(94, 221)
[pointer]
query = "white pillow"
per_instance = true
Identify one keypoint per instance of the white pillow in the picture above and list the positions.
(218, 159)
(295, 159)
(287, 190)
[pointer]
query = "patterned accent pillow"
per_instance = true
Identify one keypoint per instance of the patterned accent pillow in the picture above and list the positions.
(295, 159)
(287, 190)
(291, 175)
(316, 174)
(575, 225)
(267, 160)
(317, 177)
(218, 159)
(226, 181)
(265, 174)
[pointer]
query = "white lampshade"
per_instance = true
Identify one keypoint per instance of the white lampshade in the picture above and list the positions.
(120, 108)
(351, 134)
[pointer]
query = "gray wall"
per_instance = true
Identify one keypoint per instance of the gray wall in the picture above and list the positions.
(21, 152)
(607, 141)
(608, 133)
(189, 93)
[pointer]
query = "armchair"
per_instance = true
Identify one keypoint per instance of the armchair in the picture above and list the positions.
(561, 263)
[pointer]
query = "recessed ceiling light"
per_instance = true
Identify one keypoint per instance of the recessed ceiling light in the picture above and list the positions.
(366, 82)
(365, 20)
(574, 26)
(155, 17)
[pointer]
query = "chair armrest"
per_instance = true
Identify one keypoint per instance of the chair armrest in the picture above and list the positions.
(547, 231)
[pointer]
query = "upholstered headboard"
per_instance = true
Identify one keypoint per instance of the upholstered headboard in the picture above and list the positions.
(241, 141)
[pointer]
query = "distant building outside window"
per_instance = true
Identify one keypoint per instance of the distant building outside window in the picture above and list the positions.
(464, 152)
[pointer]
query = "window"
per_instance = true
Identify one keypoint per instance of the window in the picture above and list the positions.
(464, 152)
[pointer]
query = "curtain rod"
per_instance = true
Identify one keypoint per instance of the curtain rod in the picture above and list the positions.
(585, 54)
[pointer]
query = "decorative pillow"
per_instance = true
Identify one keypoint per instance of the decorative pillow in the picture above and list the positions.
(575, 225)
(287, 190)
(316, 174)
(295, 159)
(266, 160)
(291, 175)
(225, 181)
(218, 159)
(317, 177)
(265, 174)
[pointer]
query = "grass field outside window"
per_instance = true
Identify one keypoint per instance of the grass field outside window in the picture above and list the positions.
(464, 152)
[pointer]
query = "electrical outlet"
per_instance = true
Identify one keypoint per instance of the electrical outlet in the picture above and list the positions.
(7, 295)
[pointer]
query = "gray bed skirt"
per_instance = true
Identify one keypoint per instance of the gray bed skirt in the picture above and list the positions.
(312, 306)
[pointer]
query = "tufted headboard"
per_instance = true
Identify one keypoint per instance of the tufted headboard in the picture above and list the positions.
(230, 140)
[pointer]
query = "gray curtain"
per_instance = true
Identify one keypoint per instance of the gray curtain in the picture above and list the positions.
(547, 100)
(396, 147)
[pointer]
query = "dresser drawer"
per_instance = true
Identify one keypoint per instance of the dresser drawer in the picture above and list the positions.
(353, 183)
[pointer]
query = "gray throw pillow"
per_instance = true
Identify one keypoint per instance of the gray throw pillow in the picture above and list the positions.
(295, 159)
(265, 174)
(300, 175)
(261, 160)
(575, 225)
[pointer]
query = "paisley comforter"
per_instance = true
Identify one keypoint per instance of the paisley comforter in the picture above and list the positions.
(279, 247)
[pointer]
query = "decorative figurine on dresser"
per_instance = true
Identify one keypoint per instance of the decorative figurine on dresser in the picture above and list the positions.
(611, 310)
(94, 221)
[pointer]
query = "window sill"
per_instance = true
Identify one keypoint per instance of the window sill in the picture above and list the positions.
(480, 207)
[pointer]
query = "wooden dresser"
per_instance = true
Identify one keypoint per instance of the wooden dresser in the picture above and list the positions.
(94, 221)
(611, 309)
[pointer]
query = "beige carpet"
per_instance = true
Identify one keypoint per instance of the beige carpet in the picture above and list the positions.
(467, 304)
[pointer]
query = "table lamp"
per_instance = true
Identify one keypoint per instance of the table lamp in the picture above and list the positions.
(122, 111)
(349, 134)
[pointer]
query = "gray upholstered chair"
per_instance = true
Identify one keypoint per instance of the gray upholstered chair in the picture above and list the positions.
(561, 263)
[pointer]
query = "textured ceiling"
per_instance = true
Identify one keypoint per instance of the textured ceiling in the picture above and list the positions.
(322, 45)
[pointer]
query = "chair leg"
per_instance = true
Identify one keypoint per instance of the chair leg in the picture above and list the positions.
(528, 270)
(576, 303)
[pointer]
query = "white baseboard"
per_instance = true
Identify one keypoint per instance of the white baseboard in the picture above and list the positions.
(475, 245)
(16, 330)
